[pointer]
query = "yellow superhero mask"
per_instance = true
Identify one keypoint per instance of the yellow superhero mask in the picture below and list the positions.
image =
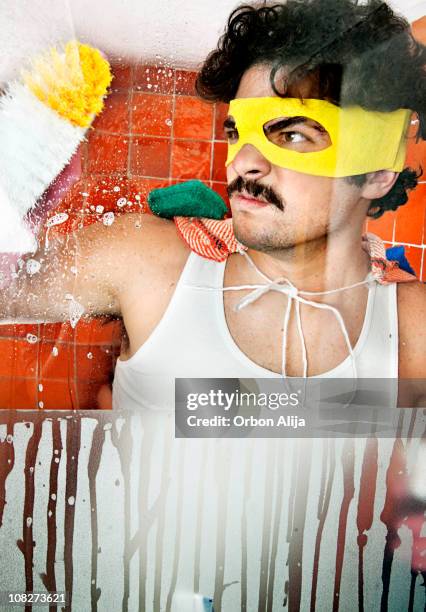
(317, 137)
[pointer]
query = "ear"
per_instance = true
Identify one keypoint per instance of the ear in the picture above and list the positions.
(378, 184)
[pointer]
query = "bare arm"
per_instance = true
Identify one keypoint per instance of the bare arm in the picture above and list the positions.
(89, 271)
(412, 341)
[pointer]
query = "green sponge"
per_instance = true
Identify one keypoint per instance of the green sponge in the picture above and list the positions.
(189, 199)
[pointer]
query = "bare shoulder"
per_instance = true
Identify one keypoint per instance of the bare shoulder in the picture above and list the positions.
(148, 252)
(156, 242)
(137, 243)
(412, 332)
(133, 231)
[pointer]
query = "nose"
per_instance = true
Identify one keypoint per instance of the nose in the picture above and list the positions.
(249, 163)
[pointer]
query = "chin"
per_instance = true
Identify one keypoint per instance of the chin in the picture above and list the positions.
(261, 239)
(275, 238)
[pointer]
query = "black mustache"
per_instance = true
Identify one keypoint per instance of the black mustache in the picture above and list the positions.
(255, 189)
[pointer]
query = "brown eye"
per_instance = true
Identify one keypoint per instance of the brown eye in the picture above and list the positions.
(294, 137)
(299, 134)
(230, 130)
(231, 135)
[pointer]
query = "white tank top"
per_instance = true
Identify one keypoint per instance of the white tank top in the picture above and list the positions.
(192, 340)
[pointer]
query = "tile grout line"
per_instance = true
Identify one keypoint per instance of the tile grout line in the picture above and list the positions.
(53, 380)
(143, 177)
(130, 123)
(75, 378)
(408, 244)
(213, 133)
(424, 226)
(38, 365)
(102, 132)
(172, 128)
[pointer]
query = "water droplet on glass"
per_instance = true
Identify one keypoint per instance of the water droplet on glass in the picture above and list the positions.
(85, 194)
(50, 513)
(55, 351)
(31, 469)
(56, 459)
(108, 218)
(116, 188)
(40, 387)
(56, 219)
(33, 266)
(89, 355)
(29, 521)
(149, 86)
(168, 122)
(75, 310)
(41, 404)
(53, 496)
(99, 209)
(32, 339)
(71, 500)
(121, 202)
(9, 438)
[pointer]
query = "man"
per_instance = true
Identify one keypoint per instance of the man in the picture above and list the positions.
(321, 96)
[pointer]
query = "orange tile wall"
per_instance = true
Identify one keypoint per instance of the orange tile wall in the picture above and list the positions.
(407, 225)
(153, 132)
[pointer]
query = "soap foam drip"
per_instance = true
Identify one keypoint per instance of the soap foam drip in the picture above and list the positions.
(75, 310)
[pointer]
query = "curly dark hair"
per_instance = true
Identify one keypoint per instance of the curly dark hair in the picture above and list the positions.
(358, 54)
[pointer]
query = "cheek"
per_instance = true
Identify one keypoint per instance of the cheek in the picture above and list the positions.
(303, 189)
(230, 173)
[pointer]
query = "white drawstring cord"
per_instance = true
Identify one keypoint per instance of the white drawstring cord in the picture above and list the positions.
(284, 286)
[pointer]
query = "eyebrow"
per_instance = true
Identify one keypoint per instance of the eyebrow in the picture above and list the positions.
(288, 122)
(279, 125)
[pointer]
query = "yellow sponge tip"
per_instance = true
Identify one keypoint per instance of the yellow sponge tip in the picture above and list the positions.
(72, 83)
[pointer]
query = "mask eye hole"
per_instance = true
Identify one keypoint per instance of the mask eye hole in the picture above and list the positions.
(230, 129)
(300, 134)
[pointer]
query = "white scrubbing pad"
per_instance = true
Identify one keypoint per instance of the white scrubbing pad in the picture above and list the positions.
(15, 237)
(34, 154)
